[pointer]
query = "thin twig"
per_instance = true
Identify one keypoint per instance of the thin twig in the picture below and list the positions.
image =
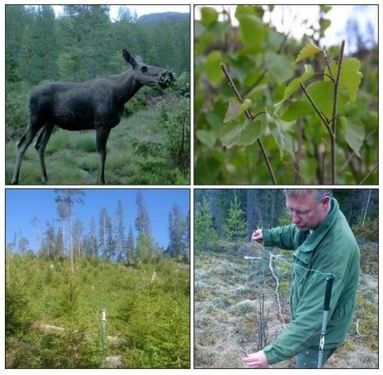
(334, 114)
(231, 82)
(327, 62)
(323, 75)
(271, 260)
(317, 110)
(269, 167)
(369, 173)
(250, 116)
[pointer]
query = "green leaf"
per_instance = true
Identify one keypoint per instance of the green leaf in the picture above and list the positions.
(295, 110)
(350, 75)
(253, 10)
(322, 93)
(233, 110)
(354, 133)
(279, 66)
(251, 132)
(207, 137)
(242, 133)
(209, 16)
(325, 8)
(231, 132)
(214, 120)
(324, 24)
(212, 68)
(293, 86)
(278, 130)
(252, 30)
(274, 39)
(309, 50)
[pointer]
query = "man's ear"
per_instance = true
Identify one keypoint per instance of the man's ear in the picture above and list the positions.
(326, 200)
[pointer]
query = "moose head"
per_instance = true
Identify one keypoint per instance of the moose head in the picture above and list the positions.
(148, 75)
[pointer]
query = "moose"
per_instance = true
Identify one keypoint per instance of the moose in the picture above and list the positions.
(96, 104)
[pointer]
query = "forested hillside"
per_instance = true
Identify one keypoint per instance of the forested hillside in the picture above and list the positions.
(53, 316)
(82, 42)
(67, 271)
(242, 299)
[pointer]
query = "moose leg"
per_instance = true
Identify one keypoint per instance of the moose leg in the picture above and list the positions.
(40, 145)
(22, 146)
(101, 139)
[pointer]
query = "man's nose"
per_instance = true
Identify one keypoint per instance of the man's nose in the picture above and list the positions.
(295, 218)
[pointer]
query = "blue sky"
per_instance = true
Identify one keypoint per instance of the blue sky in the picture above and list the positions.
(22, 205)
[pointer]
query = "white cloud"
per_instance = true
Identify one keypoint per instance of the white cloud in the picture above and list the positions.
(296, 19)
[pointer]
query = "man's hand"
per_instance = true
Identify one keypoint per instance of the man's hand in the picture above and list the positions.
(255, 360)
(257, 235)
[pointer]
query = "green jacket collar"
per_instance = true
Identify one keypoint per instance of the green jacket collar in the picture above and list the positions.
(319, 233)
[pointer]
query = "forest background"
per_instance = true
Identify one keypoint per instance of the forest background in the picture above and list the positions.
(152, 143)
(58, 291)
(241, 292)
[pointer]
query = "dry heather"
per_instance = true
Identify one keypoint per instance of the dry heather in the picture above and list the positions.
(228, 290)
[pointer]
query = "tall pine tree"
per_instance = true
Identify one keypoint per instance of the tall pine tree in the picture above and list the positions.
(130, 248)
(65, 200)
(145, 248)
(105, 239)
(205, 233)
(120, 240)
(177, 228)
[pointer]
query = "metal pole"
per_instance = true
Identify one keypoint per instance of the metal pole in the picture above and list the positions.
(326, 309)
(103, 327)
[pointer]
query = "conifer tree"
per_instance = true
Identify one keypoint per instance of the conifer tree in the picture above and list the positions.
(65, 200)
(106, 241)
(205, 233)
(130, 248)
(177, 226)
(235, 225)
(93, 248)
(142, 221)
(48, 242)
(120, 233)
(145, 247)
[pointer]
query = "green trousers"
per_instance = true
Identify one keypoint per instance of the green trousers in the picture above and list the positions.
(308, 358)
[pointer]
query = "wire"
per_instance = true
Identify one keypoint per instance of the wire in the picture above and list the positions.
(281, 257)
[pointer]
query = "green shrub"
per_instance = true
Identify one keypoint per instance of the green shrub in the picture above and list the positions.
(143, 149)
(16, 109)
(147, 313)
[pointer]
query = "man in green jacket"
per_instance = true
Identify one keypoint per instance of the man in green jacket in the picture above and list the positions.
(323, 245)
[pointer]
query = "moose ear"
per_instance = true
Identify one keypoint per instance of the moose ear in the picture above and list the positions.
(129, 58)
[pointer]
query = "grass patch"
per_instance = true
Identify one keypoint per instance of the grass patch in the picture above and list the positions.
(137, 154)
(227, 293)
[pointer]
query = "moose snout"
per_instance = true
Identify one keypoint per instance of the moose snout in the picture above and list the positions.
(167, 78)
